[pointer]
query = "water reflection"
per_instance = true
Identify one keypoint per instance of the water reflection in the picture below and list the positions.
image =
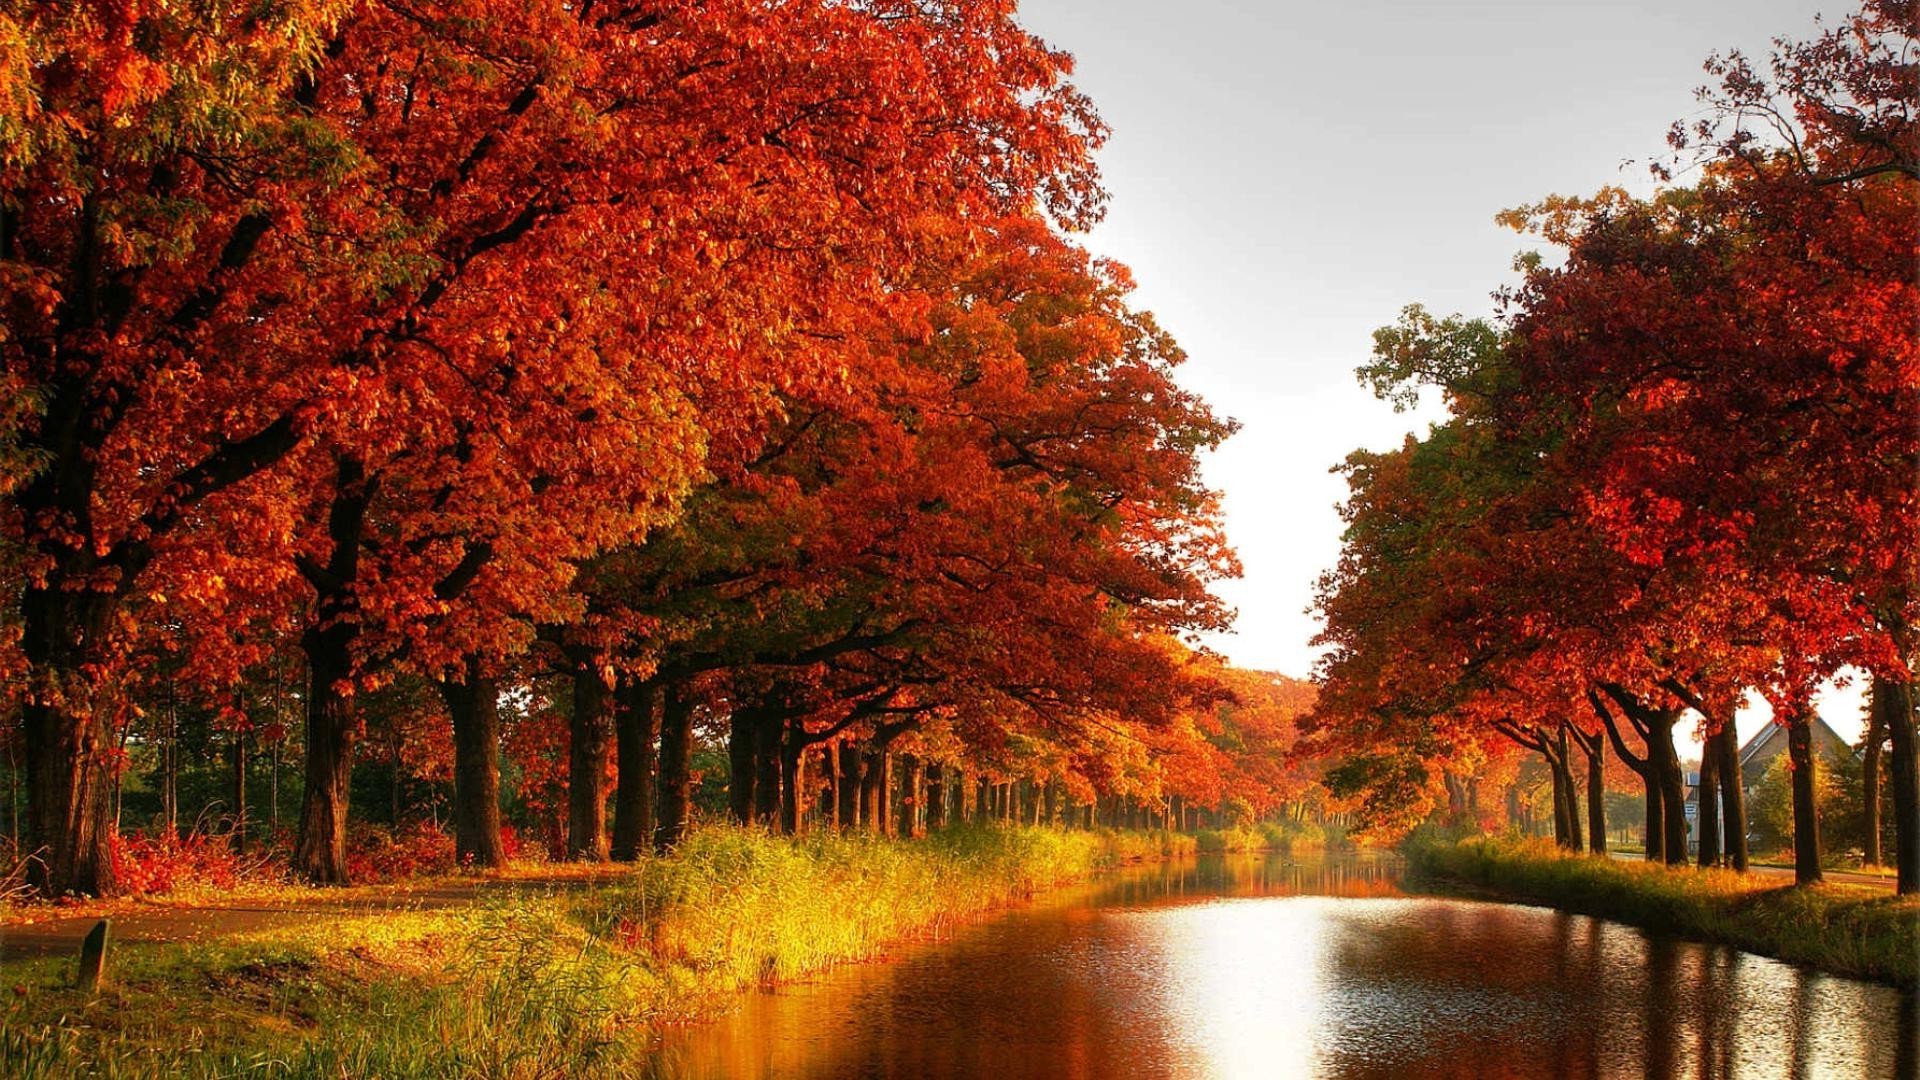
(1272, 968)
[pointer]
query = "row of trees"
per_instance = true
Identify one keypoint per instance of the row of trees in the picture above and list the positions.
(662, 375)
(1680, 468)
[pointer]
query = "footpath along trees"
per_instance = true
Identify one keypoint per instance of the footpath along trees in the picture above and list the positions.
(1718, 385)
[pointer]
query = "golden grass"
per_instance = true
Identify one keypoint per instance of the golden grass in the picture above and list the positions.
(1844, 929)
(527, 981)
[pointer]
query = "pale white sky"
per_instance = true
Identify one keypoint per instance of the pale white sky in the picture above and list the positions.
(1287, 176)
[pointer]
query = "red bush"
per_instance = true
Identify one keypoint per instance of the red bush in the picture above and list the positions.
(153, 864)
(375, 854)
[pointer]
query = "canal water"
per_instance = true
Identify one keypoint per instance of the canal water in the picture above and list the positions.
(1249, 967)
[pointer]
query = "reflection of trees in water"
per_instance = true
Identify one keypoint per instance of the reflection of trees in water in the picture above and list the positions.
(1127, 976)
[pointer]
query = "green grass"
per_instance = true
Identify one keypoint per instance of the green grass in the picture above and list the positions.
(530, 983)
(1843, 929)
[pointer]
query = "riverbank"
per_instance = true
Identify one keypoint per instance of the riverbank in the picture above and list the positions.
(528, 981)
(1840, 929)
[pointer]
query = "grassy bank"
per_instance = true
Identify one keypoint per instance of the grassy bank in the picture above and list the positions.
(1292, 837)
(1846, 930)
(1147, 845)
(556, 981)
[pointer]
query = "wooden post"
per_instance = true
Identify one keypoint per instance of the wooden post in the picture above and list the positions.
(93, 958)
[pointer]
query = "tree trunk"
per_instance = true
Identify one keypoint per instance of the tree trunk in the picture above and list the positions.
(847, 787)
(238, 756)
(320, 850)
(1561, 826)
(793, 760)
(69, 770)
(473, 703)
(589, 733)
(1656, 830)
(1596, 750)
(1870, 784)
(1563, 764)
(1706, 801)
(766, 767)
(1671, 781)
(1894, 701)
(1576, 837)
(636, 722)
(169, 769)
(393, 778)
(1806, 821)
(936, 796)
(676, 769)
(1733, 795)
(742, 731)
(909, 802)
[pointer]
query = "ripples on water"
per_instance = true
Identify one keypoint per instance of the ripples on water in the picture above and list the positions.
(1268, 968)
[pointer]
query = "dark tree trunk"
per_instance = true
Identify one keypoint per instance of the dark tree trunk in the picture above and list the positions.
(742, 731)
(1806, 821)
(169, 769)
(1595, 747)
(68, 764)
(590, 731)
(1561, 826)
(636, 722)
(1656, 831)
(238, 752)
(1576, 836)
(1870, 784)
(1894, 701)
(1563, 764)
(320, 850)
(873, 791)
(847, 786)
(766, 767)
(1706, 800)
(1659, 770)
(793, 760)
(676, 768)
(1672, 782)
(393, 778)
(909, 789)
(1733, 794)
(473, 703)
(936, 796)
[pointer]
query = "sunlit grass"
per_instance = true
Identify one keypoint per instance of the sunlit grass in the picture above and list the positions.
(1844, 929)
(530, 981)
(1231, 840)
(1122, 846)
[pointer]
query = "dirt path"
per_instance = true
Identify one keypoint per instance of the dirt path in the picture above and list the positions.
(51, 933)
(1834, 877)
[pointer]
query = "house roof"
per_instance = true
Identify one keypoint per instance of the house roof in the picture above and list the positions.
(1823, 734)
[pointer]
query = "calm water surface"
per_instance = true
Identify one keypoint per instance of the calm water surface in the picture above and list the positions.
(1271, 968)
